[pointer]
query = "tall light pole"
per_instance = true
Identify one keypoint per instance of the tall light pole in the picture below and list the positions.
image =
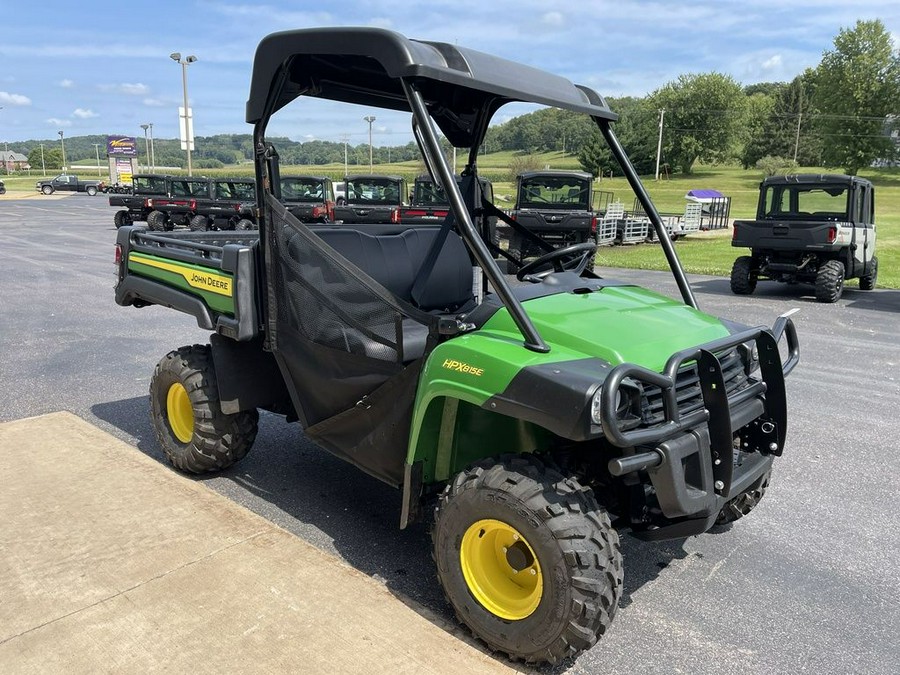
(146, 144)
(97, 152)
(152, 149)
(43, 166)
(370, 119)
(62, 144)
(188, 127)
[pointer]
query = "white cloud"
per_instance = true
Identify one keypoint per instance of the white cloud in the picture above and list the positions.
(554, 19)
(66, 84)
(136, 89)
(14, 99)
(58, 122)
(772, 62)
(82, 113)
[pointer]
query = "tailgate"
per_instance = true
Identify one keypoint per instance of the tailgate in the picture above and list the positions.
(551, 221)
(350, 213)
(785, 234)
(208, 275)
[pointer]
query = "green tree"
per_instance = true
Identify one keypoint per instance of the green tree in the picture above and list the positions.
(52, 158)
(636, 130)
(758, 121)
(704, 114)
(857, 87)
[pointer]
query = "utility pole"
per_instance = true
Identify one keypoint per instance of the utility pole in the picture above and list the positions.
(43, 166)
(188, 119)
(797, 137)
(345, 138)
(370, 119)
(662, 116)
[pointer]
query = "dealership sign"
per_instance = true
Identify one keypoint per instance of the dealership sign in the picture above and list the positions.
(122, 146)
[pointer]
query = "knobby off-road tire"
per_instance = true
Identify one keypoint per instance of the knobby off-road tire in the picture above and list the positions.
(592, 261)
(156, 221)
(745, 502)
(527, 558)
(743, 276)
(830, 281)
(194, 433)
(122, 218)
(245, 224)
(867, 282)
(199, 224)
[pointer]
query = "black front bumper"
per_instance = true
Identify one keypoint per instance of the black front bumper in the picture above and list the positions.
(691, 459)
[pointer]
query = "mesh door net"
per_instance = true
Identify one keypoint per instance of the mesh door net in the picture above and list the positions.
(341, 336)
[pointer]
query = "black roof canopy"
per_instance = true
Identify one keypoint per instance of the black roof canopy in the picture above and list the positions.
(462, 87)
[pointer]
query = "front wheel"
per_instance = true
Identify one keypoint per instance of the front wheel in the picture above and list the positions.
(47, 189)
(743, 276)
(194, 433)
(745, 502)
(245, 224)
(199, 223)
(527, 558)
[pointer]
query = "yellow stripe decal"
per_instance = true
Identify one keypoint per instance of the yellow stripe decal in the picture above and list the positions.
(195, 277)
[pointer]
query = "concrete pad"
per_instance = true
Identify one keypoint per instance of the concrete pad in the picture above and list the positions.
(111, 562)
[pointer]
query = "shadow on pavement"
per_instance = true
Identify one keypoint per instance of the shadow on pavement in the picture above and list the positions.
(357, 514)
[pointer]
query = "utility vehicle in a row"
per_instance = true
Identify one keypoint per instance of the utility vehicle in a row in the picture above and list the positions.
(809, 228)
(534, 420)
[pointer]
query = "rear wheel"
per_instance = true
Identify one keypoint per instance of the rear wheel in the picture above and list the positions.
(867, 281)
(592, 261)
(199, 223)
(194, 433)
(743, 276)
(527, 558)
(156, 221)
(122, 218)
(830, 281)
(91, 190)
(245, 224)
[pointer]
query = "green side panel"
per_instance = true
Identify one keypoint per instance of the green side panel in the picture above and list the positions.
(617, 324)
(218, 303)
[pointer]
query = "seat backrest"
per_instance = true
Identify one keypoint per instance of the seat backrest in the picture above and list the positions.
(393, 260)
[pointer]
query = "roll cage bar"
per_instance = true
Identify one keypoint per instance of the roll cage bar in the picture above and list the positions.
(458, 88)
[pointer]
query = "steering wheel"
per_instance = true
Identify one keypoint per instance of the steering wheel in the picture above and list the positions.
(579, 254)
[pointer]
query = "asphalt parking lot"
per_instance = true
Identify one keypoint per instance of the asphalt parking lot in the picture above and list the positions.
(809, 583)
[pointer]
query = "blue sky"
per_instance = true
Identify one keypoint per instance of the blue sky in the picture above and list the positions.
(105, 69)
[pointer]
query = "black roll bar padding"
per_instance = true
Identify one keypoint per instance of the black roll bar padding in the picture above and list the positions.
(644, 198)
(533, 340)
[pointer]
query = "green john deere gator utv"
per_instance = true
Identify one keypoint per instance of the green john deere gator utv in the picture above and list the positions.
(534, 417)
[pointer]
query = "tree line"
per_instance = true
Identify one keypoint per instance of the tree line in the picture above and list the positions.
(839, 114)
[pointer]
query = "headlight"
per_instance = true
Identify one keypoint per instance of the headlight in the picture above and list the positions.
(595, 405)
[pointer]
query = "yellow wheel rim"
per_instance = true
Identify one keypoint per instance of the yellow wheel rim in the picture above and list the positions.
(180, 413)
(501, 569)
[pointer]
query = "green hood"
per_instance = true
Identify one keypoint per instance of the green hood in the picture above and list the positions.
(617, 324)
